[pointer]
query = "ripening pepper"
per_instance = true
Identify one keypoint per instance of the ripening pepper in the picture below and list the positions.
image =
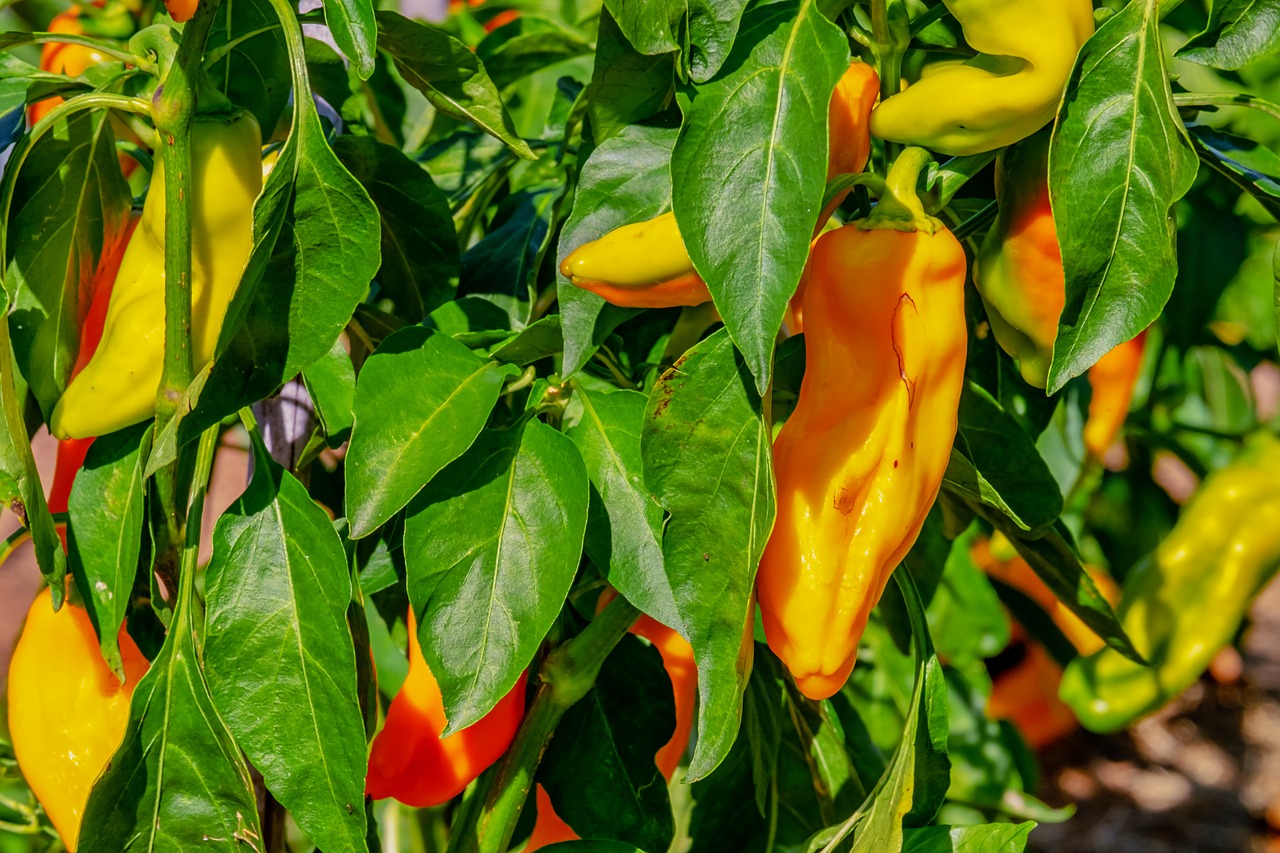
(411, 762)
(645, 264)
(1183, 603)
(1026, 51)
(62, 58)
(1113, 379)
(67, 710)
(859, 462)
(1018, 270)
(181, 10)
(998, 559)
(1026, 694)
(117, 388)
(677, 658)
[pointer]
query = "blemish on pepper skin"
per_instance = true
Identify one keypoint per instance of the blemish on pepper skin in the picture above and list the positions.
(845, 500)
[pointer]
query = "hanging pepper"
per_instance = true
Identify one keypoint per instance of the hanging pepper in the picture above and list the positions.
(861, 459)
(1024, 691)
(645, 264)
(1184, 602)
(677, 657)
(118, 386)
(1113, 379)
(411, 762)
(1026, 52)
(1018, 270)
(67, 710)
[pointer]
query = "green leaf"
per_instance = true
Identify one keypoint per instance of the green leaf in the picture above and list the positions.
(491, 547)
(279, 655)
(420, 263)
(705, 446)
(624, 536)
(649, 27)
(750, 165)
(331, 383)
(251, 72)
(315, 251)
(713, 26)
(451, 77)
(995, 462)
(626, 86)
(983, 838)
(615, 730)
(539, 340)
(1119, 160)
(627, 179)
(70, 177)
(1252, 167)
(354, 31)
(591, 847)
(400, 441)
(1239, 32)
(527, 45)
(965, 614)
(104, 538)
(178, 781)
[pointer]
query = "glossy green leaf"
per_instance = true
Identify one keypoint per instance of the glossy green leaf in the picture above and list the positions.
(279, 656)
(539, 340)
(750, 166)
(354, 31)
(104, 538)
(615, 731)
(706, 455)
(982, 838)
(713, 26)
(624, 537)
(1252, 167)
(527, 45)
(331, 383)
(650, 27)
(965, 615)
(1119, 160)
(399, 442)
(1239, 32)
(445, 70)
(420, 263)
(491, 547)
(626, 86)
(627, 179)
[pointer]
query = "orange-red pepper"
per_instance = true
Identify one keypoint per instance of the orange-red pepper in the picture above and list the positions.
(1027, 696)
(1113, 379)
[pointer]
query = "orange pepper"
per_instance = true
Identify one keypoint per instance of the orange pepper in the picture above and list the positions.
(411, 762)
(181, 10)
(67, 710)
(1027, 696)
(59, 58)
(1113, 379)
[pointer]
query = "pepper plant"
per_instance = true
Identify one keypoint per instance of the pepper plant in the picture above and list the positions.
(509, 328)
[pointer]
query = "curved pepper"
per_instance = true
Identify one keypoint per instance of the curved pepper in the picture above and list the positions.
(677, 658)
(1113, 379)
(1018, 270)
(117, 388)
(1027, 49)
(1184, 602)
(1026, 694)
(859, 462)
(67, 711)
(411, 762)
(645, 264)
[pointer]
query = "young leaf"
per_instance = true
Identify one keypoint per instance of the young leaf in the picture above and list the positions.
(104, 538)
(453, 80)
(399, 442)
(750, 165)
(599, 768)
(178, 781)
(627, 179)
(491, 548)
(354, 31)
(420, 263)
(1239, 32)
(279, 655)
(1119, 160)
(705, 446)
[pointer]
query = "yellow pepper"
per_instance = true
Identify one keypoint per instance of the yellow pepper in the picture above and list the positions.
(859, 462)
(118, 387)
(1027, 49)
(1184, 602)
(645, 264)
(67, 711)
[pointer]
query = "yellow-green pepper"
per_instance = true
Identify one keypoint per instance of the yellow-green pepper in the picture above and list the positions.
(1184, 602)
(1011, 89)
(118, 386)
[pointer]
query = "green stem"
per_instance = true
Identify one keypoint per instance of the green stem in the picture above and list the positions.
(1226, 99)
(219, 53)
(568, 674)
(104, 47)
(900, 207)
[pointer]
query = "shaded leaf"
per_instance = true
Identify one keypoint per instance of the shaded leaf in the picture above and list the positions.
(1238, 32)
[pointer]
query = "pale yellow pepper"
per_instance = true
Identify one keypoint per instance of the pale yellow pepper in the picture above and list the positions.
(118, 387)
(1027, 49)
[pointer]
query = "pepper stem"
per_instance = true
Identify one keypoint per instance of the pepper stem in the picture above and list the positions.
(900, 208)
